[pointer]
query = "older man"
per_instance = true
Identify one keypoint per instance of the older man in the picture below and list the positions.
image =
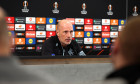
(62, 43)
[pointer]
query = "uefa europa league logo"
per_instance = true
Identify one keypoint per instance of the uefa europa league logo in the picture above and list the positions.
(55, 5)
(135, 9)
(110, 10)
(84, 9)
(25, 4)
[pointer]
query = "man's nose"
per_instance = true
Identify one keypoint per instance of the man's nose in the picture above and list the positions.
(68, 34)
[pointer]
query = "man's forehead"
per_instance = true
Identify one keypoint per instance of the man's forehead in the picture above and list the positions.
(66, 28)
(66, 25)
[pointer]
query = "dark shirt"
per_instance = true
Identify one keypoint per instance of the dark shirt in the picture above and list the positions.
(130, 73)
(52, 47)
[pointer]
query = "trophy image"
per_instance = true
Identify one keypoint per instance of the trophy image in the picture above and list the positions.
(110, 10)
(84, 9)
(25, 4)
(55, 5)
(135, 9)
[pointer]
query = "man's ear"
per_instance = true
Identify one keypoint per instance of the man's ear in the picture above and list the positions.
(57, 32)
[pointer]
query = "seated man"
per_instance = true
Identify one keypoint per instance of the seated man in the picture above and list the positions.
(126, 55)
(62, 43)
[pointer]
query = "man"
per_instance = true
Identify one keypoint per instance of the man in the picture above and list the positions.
(126, 53)
(10, 69)
(62, 43)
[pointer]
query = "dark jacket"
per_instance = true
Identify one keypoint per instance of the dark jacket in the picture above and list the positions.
(52, 47)
(131, 74)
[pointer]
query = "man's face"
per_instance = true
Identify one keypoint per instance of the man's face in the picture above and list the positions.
(65, 33)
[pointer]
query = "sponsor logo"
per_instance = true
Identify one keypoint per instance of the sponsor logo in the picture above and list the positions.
(88, 34)
(79, 34)
(105, 34)
(11, 27)
(97, 34)
(20, 27)
(120, 28)
(38, 48)
(40, 20)
(50, 27)
(30, 20)
(40, 34)
(40, 27)
(79, 28)
(79, 40)
(79, 21)
(105, 46)
(114, 22)
(88, 21)
(105, 28)
(105, 21)
(11, 33)
(122, 22)
(113, 40)
(20, 48)
(114, 28)
(30, 27)
(40, 40)
(19, 41)
(97, 22)
(88, 40)
(88, 47)
(96, 40)
(88, 28)
(97, 47)
(30, 41)
(113, 34)
(105, 40)
(30, 48)
(50, 33)
(20, 34)
(10, 19)
(20, 20)
(97, 28)
(30, 34)
(51, 20)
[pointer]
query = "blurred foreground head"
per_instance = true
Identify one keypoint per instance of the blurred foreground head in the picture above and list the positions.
(127, 47)
(4, 38)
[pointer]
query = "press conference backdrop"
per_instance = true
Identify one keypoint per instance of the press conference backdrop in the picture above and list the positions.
(95, 31)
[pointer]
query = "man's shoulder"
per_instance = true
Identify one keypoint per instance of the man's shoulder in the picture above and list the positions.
(51, 40)
(74, 42)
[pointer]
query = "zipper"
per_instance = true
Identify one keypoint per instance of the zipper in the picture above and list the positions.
(63, 51)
